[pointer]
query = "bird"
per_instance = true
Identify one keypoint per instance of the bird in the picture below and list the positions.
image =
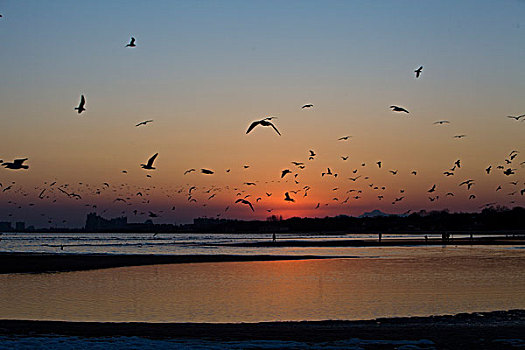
(344, 157)
(378, 164)
(488, 169)
(460, 136)
(144, 122)
(458, 163)
(263, 122)
(344, 138)
(284, 172)
(307, 106)
(432, 189)
(244, 201)
(441, 122)
(131, 43)
(149, 165)
(188, 171)
(509, 171)
(288, 198)
(448, 173)
(80, 107)
(418, 71)
(16, 164)
(394, 172)
(399, 109)
(207, 171)
(518, 117)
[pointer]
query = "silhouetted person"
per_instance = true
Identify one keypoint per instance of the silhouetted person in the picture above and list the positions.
(380, 235)
(426, 239)
(274, 238)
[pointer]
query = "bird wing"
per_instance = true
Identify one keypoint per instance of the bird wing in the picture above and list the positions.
(132, 40)
(273, 126)
(252, 125)
(82, 101)
(19, 161)
(152, 159)
(250, 204)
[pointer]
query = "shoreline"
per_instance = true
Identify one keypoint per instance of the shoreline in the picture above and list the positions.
(449, 331)
(54, 262)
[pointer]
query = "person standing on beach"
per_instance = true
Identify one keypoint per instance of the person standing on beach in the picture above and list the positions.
(274, 238)
(380, 237)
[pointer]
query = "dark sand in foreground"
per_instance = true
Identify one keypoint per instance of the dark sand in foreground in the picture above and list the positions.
(461, 331)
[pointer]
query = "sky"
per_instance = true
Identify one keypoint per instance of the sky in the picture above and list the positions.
(204, 70)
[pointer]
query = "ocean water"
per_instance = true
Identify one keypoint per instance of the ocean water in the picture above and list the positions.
(179, 243)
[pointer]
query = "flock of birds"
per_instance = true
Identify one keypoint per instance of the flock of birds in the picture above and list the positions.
(139, 197)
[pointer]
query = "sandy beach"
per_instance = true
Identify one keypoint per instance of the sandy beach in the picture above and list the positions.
(494, 330)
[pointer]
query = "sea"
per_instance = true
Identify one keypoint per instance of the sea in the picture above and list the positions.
(350, 283)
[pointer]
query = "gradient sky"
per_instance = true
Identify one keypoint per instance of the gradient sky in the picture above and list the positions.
(204, 70)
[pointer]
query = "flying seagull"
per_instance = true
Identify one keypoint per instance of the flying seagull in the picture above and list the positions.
(244, 201)
(344, 138)
(399, 109)
(518, 117)
(441, 122)
(207, 171)
(16, 164)
(288, 198)
(262, 122)
(144, 122)
(149, 166)
(80, 107)
(131, 43)
(418, 71)
(307, 106)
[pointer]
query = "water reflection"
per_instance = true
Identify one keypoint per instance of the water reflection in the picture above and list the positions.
(439, 282)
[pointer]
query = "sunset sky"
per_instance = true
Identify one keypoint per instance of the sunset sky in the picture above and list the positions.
(204, 70)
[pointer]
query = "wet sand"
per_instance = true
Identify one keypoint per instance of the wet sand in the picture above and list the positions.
(477, 330)
(51, 262)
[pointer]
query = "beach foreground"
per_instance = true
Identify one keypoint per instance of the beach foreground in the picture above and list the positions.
(497, 330)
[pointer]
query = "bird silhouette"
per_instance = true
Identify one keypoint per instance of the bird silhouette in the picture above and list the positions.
(131, 43)
(284, 172)
(488, 169)
(263, 122)
(418, 71)
(80, 107)
(518, 117)
(307, 106)
(207, 171)
(188, 171)
(460, 136)
(288, 198)
(432, 189)
(244, 201)
(149, 165)
(344, 138)
(399, 109)
(441, 122)
(144, 122)
(16, 164)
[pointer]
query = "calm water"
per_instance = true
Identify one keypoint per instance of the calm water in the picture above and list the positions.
(399, 281)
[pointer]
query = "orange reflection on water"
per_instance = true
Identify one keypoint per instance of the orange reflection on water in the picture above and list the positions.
(269, 291)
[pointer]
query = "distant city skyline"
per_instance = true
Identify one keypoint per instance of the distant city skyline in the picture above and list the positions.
(202, 71)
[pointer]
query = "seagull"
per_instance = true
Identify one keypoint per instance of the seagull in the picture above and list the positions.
(344, 158)
(432, 189)
(344, 138)
(284, 172)
(441, 122)
(460, 136)
(188, 171)
(149, 166)
(207, 171)
(244, 201)
(16, 164)
(399, 109)
(379, 164)
(144, 122)
(458, 163)
(307, 106)
(418, 71)
(80, 107)
(288, 198)
(131, 43)
(518, 117)
(488, 169)
(263, 122)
